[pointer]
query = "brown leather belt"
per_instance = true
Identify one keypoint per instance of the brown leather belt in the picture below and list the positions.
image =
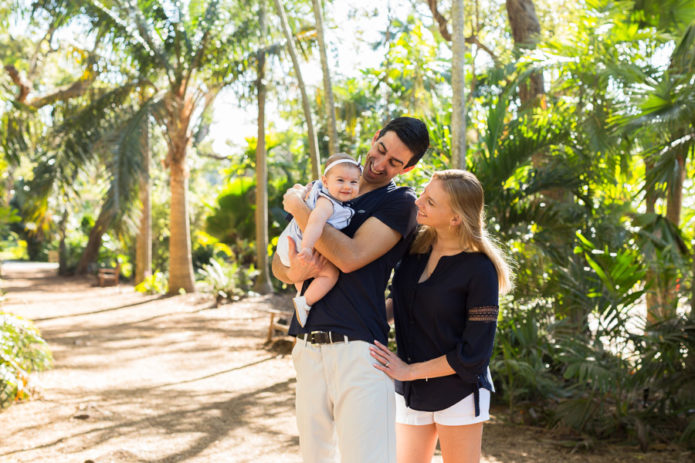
(325, 337)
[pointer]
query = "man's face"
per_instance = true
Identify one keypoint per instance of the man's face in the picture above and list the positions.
(386, 158)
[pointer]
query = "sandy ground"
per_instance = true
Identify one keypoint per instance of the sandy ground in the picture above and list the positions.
(148, 379)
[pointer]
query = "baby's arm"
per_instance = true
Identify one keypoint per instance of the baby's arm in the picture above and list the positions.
(314, 227)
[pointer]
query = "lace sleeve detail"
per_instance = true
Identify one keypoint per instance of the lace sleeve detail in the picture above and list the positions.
(486, 313)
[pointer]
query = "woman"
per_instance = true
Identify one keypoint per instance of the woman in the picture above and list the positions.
(445, 305)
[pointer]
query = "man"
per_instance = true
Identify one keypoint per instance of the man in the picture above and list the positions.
(339, 392)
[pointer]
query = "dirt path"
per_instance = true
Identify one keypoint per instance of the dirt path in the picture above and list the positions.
(145, 379)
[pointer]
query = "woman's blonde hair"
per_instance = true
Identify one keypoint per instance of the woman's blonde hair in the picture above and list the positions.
(467, 200)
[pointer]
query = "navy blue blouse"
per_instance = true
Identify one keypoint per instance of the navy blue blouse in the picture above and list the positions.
(452, 313)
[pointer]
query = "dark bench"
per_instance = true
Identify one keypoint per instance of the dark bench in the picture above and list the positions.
(109, 276)
(275, 326)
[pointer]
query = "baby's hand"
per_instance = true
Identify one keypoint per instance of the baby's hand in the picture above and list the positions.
(306, 253)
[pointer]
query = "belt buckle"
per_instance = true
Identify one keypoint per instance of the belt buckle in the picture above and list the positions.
(321, 337)
(314, 337)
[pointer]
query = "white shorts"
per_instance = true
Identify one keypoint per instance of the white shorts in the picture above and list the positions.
(459, 414)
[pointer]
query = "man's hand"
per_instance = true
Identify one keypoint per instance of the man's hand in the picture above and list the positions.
(302, 266)
(305, 253)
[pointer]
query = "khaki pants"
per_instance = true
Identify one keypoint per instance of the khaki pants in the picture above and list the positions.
(340, 394)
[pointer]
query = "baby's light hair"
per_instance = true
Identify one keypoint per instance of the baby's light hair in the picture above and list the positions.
(340, 158)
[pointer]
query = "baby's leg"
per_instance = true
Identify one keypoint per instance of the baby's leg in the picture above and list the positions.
(324, 282)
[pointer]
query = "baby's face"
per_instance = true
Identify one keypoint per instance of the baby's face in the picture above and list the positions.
(343, 181)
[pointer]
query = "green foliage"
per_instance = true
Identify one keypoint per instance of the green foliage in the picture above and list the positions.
(157, 283)
(604, 374)
(520, 362)
(13, 248)
(233, 218)
(22, 351)
(227, 282)
(206, 248)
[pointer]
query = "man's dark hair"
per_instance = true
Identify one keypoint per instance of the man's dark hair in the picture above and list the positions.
(413, 133)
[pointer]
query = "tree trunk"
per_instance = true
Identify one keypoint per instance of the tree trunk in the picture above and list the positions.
(91, 251)
(525, 31)
(143, 245)
(692, 295)
(458, 106)
(674, 205)
(180, 261)
(62, 249)
(327, 86)
(651, 296)
(674, 199)
(386, 68)
(313, 145)
(262, 285)
(179, 111)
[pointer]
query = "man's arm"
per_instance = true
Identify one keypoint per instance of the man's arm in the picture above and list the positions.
(280, 271)
(371, 241)
(300, 268)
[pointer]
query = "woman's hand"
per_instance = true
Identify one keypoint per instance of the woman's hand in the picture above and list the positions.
(389, 362)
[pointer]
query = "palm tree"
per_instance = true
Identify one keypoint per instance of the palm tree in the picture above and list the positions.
(666, 124)
(188, 52)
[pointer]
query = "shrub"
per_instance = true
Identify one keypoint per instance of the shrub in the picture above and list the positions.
(157, 283)
(227, 281)
(22, 351)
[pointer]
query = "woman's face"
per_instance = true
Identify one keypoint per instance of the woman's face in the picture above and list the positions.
(433, 206)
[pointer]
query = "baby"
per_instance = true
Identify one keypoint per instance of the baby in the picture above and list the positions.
(339, 183)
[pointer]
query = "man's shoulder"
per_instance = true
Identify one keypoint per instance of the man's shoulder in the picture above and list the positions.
(394, 191)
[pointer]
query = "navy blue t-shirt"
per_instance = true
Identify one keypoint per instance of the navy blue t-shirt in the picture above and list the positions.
(356, 304)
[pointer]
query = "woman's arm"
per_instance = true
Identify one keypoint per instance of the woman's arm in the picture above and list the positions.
(396, 368)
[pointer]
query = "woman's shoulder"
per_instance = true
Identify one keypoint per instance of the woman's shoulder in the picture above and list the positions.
(479, 261)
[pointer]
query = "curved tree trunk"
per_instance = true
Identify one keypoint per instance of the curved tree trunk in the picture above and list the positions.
(327, 85)
(91, 251)
(143, 245)
(262, 284)
(458, 86)
(313, 145)
(525, 31)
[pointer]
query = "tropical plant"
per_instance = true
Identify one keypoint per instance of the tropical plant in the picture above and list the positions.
(22, 351)
(222, 280)
(185, 55)
(153, 284)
